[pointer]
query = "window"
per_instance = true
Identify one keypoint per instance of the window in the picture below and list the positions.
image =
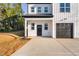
(32, 26)
(32, 9)
(45, 9)
(64, 7)
(39, 9)
(46, 27)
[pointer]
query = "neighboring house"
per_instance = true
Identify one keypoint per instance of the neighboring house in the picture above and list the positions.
(58, 20)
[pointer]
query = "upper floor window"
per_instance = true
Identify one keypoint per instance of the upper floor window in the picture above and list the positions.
(39, 9)
(45, 9)
(32, 9)
(64, 7)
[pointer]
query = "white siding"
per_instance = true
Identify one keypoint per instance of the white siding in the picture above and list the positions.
(61, 15)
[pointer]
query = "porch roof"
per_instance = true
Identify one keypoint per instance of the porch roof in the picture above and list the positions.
(38, 16)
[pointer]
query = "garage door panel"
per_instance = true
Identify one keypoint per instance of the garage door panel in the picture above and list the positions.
(64, 30)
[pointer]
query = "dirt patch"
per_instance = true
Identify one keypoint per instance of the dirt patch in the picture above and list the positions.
(9, 43)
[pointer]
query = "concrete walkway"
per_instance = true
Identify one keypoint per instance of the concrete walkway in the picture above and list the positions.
(41, 46)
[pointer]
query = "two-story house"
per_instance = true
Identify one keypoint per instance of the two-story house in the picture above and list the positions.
(58, 20)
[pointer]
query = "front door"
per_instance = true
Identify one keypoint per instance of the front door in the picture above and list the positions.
(64, 30)
(39, 30)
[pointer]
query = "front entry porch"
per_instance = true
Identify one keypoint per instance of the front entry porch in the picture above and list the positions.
(39, 28)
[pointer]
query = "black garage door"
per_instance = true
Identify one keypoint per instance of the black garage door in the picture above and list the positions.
(64, 30)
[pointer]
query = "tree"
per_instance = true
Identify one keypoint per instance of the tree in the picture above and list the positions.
(9, 10)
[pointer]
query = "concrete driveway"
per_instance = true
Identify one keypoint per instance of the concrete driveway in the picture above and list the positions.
(42, 46)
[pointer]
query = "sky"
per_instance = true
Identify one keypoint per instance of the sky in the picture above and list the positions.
(24, 8)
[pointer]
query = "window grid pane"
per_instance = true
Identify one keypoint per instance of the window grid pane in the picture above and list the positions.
(61, 4)
(62, 9)
(32, 9)
(67, 9)
(67, 4)
(46, 9)
(39, 9)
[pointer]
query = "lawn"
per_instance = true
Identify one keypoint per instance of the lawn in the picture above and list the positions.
(9, 43)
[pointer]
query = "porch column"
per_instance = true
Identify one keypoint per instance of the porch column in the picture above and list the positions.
(54, 29)
(25, 28)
